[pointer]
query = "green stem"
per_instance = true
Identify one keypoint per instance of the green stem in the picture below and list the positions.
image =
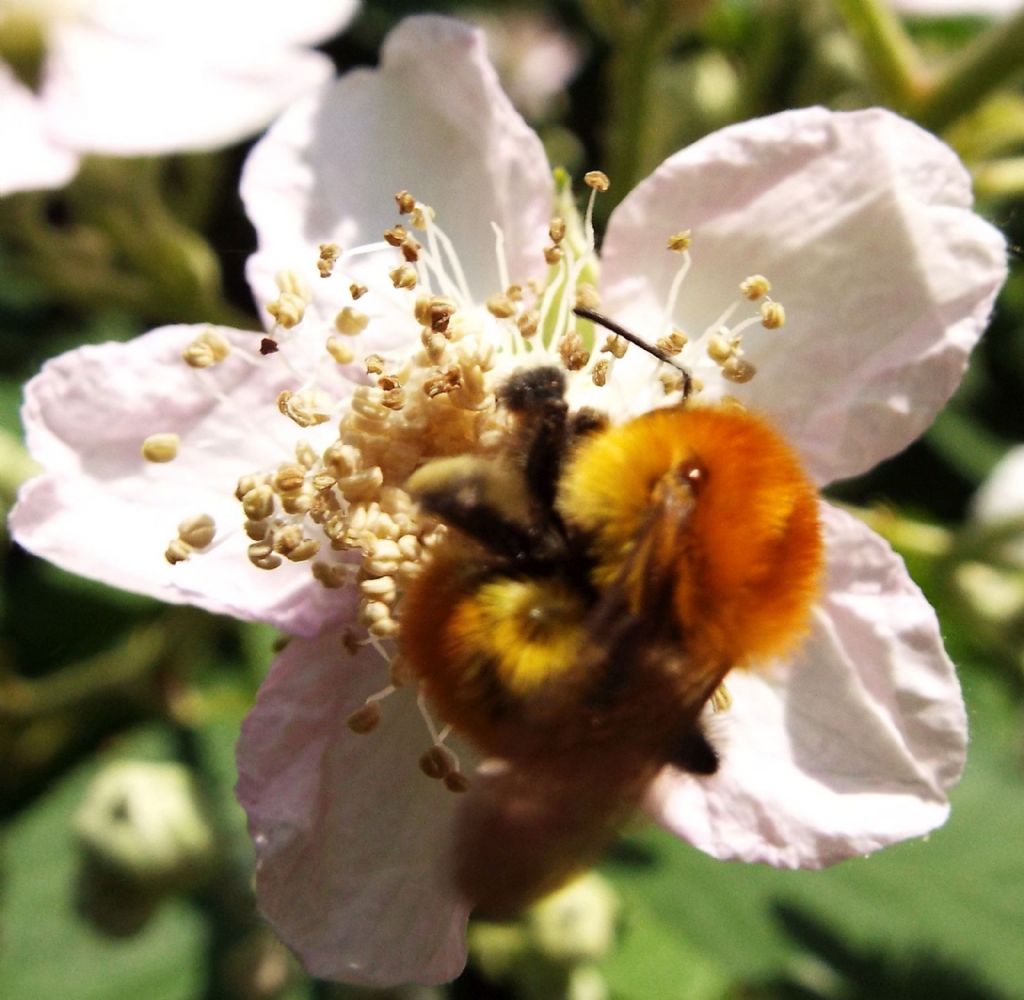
(887, 49)
(646, 33)
(989, 62)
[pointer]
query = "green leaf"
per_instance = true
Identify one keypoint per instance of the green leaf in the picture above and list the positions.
(956, 894)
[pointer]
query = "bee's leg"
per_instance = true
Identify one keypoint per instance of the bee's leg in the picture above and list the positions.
(536, 399)
(694, 753)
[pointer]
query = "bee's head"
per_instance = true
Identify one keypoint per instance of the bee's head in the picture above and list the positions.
(715, 505)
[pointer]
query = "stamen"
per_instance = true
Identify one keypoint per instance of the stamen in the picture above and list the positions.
(161, 447)
(329, 254)
(499, 253)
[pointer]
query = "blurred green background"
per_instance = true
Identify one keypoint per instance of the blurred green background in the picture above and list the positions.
(90, 676)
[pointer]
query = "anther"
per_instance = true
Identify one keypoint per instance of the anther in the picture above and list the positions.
(403, 276)
(329, 254)
(556, 229)
(444, 382)
(755, 286)
(528, 323)
(721, 700)
(356, 290)
(330, 575)
(289, 478)
(437, 762)
(552, 254)
(395, 235)
(263, 556)
(615, 346)
(374, 364)
(572, 352)
(258, 503)
(306, 549)
(680, 242)
(287, 309)
(515, 293)
(501, 306)
(209, 348)
(364, 720)
(673, 344)
(340, 351)
(305, 454)
(738, 370)
(177, 551)
(674, 381)
(307, 408)
(456, 781)
(719, 349)
(351, 321)
(597, 179)
(160, 447)
(410, 249)
(405, 201)
(197, 531)
(772, 315)
(586, 296)
(599, 373)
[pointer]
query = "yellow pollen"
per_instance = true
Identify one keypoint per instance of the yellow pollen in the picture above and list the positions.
(597, 179)
(680, 242)
(198, 531)
(515, 293)
(374, 364)
(772, 315)
(403, 276)
(209, 348)
(351, 321)
(160, 447)
(721, 700)
(672, 381)
(599, 373)
(755, 286)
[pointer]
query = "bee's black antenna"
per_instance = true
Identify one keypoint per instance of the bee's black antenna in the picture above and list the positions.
(620, 331)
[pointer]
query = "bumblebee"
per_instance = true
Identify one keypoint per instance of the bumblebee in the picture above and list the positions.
(596, 586)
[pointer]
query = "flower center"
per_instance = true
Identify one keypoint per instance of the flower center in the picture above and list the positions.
(360, 423)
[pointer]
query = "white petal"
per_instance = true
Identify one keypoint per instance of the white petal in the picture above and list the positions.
(862, 222)
(102, 511)
(131, 81)
(850, 749)
(353, 841)
(1002, 494)
(432, 120)
(31, 161)
(957, 8)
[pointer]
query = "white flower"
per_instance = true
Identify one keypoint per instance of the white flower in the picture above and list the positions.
(863, 224)
(957, 8)
(133, 78)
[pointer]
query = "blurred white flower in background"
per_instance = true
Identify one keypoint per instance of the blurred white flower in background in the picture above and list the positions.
(137, 78)
(957, 8)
